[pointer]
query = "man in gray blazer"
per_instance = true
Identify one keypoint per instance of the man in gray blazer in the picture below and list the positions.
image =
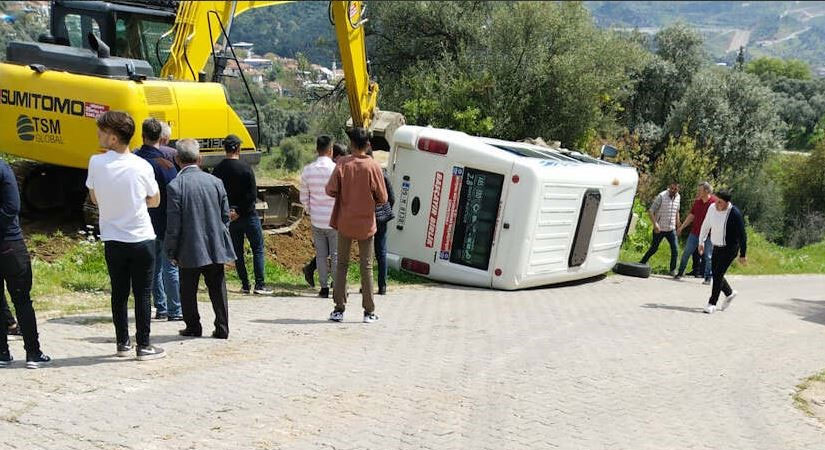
(197, 238)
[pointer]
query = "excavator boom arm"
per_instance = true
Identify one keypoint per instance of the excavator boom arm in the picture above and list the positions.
(193, 44)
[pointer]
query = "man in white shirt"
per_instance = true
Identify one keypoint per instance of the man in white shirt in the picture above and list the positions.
(319, 205)
(726, 227)
(664, 213)
(123, 187)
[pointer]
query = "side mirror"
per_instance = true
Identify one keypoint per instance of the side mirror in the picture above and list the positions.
(610, 152)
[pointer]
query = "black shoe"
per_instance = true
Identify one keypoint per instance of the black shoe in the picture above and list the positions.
(124, 350)
(149, 352)
(14, 330)
(189, 332)
(245, 290)
(175, 318)
(36, 362)
(5, 358)
(219, 335)
(309, 276)
(159, 316)
(324, 293)
(382, 290)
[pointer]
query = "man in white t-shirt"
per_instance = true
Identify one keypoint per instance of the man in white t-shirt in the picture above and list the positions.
(123, 186)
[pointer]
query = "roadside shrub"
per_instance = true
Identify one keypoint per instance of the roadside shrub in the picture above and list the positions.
(685, 163)
(806, 229)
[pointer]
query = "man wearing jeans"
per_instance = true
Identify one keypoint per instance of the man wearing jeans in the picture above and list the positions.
(357, 186)
(664, 213)
(239, 181)
(16, 270)
(123, 187)
(319, 205)
(166, 284)
(704, 200)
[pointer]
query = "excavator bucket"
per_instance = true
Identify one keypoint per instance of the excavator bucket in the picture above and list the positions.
(279, 207)
(382, 127)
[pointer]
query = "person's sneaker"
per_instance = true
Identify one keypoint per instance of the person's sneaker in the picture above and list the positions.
(309, 276)
(673, 273)
(36, 362)
(263, 290)
(219, 335)
(245, 291)
(382, 290)
(336, 316)
(149, 352)
(707, 281)
(677, 277)
(161, 316)
(14, 330)
(697, 275)
(370, 318)
(124, 350)
(324, 293)
(5, 359)
(710, 309)
(175, 318)
(728, 301)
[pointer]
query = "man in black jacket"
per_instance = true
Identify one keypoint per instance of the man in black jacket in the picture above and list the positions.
(239, 181)
(16, 270)
(726, 226)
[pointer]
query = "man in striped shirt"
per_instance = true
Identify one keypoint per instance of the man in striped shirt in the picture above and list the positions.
(319, 205)
(664, 213)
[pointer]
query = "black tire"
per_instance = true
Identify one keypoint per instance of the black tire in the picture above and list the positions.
(631, 269)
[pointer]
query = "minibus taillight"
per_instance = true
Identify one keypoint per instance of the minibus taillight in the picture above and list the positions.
(415, 266)
(433, 146)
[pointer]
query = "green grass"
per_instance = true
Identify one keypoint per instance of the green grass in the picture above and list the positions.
(764, 257)
(77, 280)
(800, 402)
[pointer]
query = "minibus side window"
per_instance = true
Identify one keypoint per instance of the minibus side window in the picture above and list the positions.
(476, 218)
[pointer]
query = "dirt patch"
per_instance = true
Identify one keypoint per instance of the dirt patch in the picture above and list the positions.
(49, 239)
(293, 250)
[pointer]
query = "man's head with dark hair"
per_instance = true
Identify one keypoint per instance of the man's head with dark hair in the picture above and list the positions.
(338, 151)
(232, 144)
(117, 124)
(724, 195)
(359, 139)
(673, 188)
(151, 131)
(323, 144)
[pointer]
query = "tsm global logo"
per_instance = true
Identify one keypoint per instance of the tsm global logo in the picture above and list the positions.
(25, 128)
(39, 129)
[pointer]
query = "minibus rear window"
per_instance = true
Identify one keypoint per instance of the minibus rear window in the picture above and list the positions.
(475, 222)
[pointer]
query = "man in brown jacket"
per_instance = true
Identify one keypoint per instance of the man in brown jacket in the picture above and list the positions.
(357, 185)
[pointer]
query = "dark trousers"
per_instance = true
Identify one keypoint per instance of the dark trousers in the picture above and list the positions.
(16, 269)
(721, 261)
(131, 266)
(697, 265)
(249, 226)
(654, 247)
(215, 279)
(4, 306)
(381, 254)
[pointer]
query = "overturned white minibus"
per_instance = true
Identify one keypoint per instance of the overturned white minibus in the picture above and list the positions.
(505, 215)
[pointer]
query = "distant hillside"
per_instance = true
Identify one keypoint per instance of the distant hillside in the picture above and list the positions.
(288, 29)
(765, 28)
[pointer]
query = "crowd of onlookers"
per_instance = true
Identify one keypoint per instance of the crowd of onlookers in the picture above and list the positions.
(717, 236)
(165, 222)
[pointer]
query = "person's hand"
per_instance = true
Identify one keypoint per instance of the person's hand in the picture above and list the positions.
(233, 216)
(743, 260)
(679, 230)
(656, 227)
(701, 249)
(174, 262)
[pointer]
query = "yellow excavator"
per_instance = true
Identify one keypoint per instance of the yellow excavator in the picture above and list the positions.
(148, 58)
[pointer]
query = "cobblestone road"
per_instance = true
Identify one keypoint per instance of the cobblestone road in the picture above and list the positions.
(620, 363)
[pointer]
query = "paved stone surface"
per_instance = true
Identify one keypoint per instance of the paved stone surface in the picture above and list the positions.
(620, 363)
